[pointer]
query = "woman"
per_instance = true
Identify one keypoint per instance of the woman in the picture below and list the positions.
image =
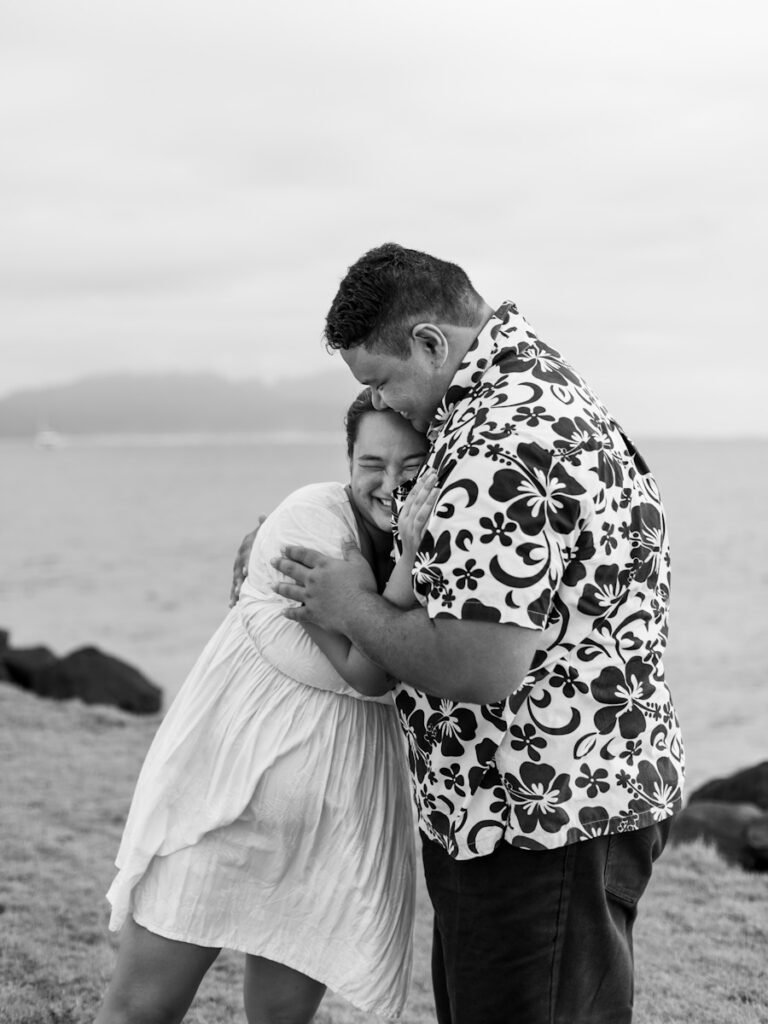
(272, 813)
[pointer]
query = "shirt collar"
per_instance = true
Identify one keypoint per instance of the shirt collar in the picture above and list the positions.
(497, 334)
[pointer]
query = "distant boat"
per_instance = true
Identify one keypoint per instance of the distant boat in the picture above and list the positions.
(49, 439)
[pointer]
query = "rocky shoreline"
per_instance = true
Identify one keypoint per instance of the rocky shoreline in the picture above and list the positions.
(729, 813)
(86, 673)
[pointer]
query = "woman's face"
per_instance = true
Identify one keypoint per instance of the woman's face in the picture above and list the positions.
(386, 453)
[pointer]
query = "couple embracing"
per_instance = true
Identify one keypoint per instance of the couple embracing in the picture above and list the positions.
(511, 628)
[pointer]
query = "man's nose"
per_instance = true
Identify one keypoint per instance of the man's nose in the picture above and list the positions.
(377, 401)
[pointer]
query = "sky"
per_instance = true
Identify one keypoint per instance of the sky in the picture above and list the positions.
(184, 183)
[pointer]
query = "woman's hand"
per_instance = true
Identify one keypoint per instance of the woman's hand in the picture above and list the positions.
(416, 511)
(240, 567)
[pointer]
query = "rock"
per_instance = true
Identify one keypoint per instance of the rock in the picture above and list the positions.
(736, 829)
(4, 638)
(98, 678)
(23, 663)
(757, 841)
(748, 786)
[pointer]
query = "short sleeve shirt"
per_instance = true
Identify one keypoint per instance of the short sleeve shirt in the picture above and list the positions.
(547, 518)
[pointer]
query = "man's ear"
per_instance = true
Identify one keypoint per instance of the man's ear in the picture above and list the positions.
(432, 342)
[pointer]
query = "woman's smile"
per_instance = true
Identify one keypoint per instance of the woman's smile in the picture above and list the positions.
(386, 453)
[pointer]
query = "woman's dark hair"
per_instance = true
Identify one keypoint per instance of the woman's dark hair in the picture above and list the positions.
(361, 405)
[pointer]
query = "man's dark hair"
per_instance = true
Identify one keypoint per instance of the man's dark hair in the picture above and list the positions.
(391, 288)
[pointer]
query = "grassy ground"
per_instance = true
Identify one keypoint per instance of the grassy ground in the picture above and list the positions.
(68, 772)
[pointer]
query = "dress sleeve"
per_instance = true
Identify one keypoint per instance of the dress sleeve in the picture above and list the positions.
(317, 517)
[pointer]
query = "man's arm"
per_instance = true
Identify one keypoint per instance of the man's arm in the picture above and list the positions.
(467, 660)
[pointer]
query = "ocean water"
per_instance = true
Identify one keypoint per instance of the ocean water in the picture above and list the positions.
(129, 546)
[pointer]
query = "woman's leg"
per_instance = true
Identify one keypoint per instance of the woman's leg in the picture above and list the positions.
(276, 994)
(155, 979)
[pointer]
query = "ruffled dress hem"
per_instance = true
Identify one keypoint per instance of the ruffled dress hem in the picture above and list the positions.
(286, 955)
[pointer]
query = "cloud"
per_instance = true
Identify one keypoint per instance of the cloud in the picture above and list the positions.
(184, 182)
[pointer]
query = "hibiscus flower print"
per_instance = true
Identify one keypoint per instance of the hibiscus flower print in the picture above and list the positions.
(647, 537)
(542, 362)
(657, 788)
(577, 436)
(594, 822)
(574, 558)
(452, 725)
(538, 491)
(609, 468)
(428, 575)
(484, 773)
(609, 590)
(627, 698)
(538, 795)
(414, 729)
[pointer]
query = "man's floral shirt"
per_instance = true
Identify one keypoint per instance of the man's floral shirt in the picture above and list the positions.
(549, 518)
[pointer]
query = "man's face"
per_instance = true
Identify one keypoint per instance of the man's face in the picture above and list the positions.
(412, 387)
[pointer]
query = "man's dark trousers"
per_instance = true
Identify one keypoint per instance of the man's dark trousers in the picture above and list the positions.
(539, 937)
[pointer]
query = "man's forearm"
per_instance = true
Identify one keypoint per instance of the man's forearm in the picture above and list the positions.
(468, 660)
(445, 658)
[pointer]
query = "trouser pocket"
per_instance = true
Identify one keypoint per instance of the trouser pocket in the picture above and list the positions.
(629, 861)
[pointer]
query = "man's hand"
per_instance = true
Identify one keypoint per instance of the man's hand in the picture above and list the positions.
(240, 568)
(326, 588)
(467, 660)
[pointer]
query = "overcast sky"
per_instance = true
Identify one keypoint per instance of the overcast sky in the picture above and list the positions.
(184, 183)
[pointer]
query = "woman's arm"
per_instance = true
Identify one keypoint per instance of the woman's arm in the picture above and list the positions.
(351, 664)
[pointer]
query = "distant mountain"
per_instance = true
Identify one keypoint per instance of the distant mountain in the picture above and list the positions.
(178, 403)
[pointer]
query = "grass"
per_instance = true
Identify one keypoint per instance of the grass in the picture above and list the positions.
(701, 939)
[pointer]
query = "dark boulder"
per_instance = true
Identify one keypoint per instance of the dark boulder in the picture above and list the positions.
(22, 664)
(757, 841)
(738, 830)
(98, 678)
(748, 786)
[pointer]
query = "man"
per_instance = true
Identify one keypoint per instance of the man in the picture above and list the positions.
(544, 748)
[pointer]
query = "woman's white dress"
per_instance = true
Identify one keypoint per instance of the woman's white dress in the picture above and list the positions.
(272, 813)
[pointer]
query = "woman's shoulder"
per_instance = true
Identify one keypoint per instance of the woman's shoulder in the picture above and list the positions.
(313, 505)
(330, 495)
(317, 515)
